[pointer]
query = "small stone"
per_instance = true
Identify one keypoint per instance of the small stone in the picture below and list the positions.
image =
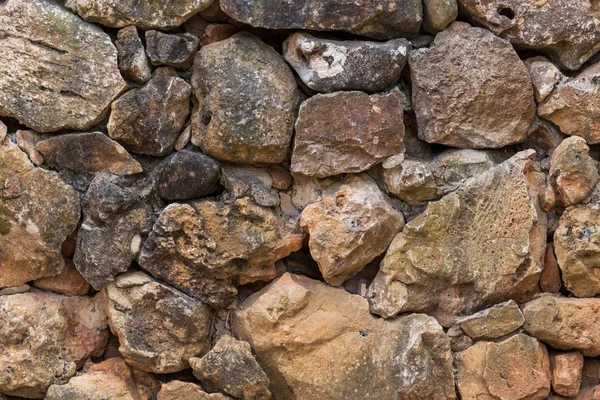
(346, 132)
(471, 70)
(281, 177)
(87, 152)
(69, 281)
(183, 139)
(438, 14)
(252, 182)
(132, 56)
(543, 137)
(159, 328)
(353, 224)
(566, 373)
(3, 131)
(459, 341)
(550, 280)
(188, 175)
(15, 290)
(246, 109)
(213, 13)
(452, 168)
(331, 65)
(494, 322)
(27, 141)
(148, 120)
(412, 181)
(231, 368)
(175, 50)
(178, 390)
(544, 76)
(217, 32)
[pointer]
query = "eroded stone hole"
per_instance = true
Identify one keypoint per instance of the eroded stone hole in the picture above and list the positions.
(507, 12)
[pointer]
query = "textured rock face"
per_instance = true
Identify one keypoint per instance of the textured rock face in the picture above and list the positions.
(230, 367)
(159, 328)
(461, 250)
(332, 65)
(255, 183)
(45, 338)
(351, 354)
(57, 72)
(188, 175)
(245, 111)
(373, 18)
(352, 225)
(346, 132)
(177, 390)
(566, 373)
(37, 213)
(472, 71)
(438, 14)
(145, 14)
(544, 76)
(514, 369)
(132, 55)
(566, 30)
(168, 49)
(205, 247)
(149, 120)
(493, 322)
(550, 280)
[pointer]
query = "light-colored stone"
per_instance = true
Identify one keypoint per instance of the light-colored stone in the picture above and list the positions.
(27, 141)
(438, 14)
(69, 281)
(183, 139)
(566, 373)
(178, 390)
(493, 322)
(544, 76)
(3, 131)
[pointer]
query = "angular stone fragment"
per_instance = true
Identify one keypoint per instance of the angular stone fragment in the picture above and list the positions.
(565, 323)
(27, 141)
(206, 247)
(231, 368)
(183, 139)
(253, 182)
(438, 14)
(331, 65)
(175, 50)
(471, 90)
(353, 224)
(178, 390)
(566, 373)
(37, 213)
(566, 30)
(379, 19)
(57, 72)
(188, 175)
(544, 76)
(145, 14)
(132, 56)
(245, 112)
(346, 132)
(115, 221)
(473, 248)
(45, 338)
(319, 342)
(550, 280)
(159, 328)
(111, 379)
(3, 131)
(69, 281)
(148, 120)
(412, 181)
(514, 369)
(87, 152)
(493, 322)
(217, 32)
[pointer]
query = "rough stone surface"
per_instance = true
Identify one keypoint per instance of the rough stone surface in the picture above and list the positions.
(378, 19)
(57, 72)
(566, 373)
(346, 132)
(493, 322)
(353, 224)
(175, 50)
(188, 175)
(550, 280)
(438, 14)
(37, 213)
(566, 30)
(27, 140)
(245, 111)
(87, 152)
(544, 76)
(471, 90)
(473, 248)
(148, 120)
(255, 183)
(297, 322)
(230, 367)
(159, 328)
(45, 338)
(132, 55)
(178, 390)
(206, 247)
(514, 369)
(331, 65)
(69, 281)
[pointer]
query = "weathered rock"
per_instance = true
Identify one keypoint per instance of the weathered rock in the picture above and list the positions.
(493, 322)
(353, 224)
(69, 281)
(567, 31)
(471, 70)
(514, 369)
(543, 137)
(565, 323)
(3, 131)
(438, 14)
(377, 19)
(217, 32)
(183, 139)
(188, 175)
(566, 373)
(550, 280)
(148, 120)
(115, 221)
(331, 65)
(280, 177)
(346, 132)
(544, 76)
(37, 213)
(253, 182)
(27, 141)
(178, 390)
(452, 168)
(159, 328)
(57, 72)
(473, 248)
(231, 368)
(132, 56)
(111, 379)
(145, 14)
(45, 338)
(412, 181)
(459, 341)
(87, 152)
(245, 110)
(297, 322)
(175, 50)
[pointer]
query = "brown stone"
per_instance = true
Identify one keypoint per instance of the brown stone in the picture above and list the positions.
(544, 76)
(178, 390)
(493, 322)
(69, 281)
(566, 373)
(550, 281)
(27, 140)
(175, 50)
(281, 177)
(217, 32)
(132, 55)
